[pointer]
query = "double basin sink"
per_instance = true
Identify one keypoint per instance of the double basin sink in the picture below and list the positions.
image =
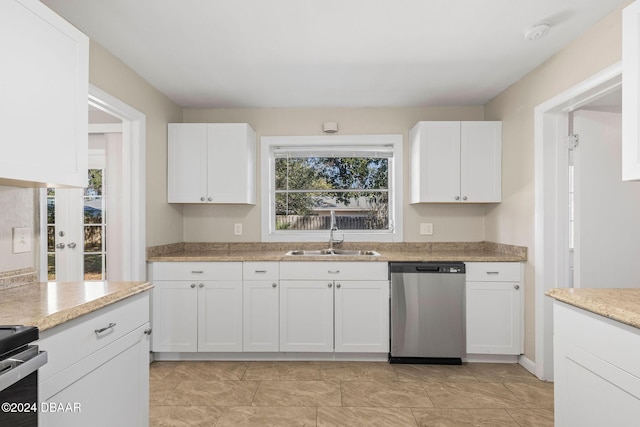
(331, 252)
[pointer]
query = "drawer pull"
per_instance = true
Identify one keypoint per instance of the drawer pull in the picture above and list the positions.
(193, 285)
(197, 271)
(148, 331)
(334, 271)
(493, 272)
(260, 271)
(516, 287)
(201, 285)
(101, 330)
(274, 285)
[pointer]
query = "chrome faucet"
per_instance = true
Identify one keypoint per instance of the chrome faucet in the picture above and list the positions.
(333, 227)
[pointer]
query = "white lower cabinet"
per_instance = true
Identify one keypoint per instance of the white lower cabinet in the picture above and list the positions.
(338, 312)
(98, 379)
(596, 370)
(197, 306)
(260, 306)
(494, 302)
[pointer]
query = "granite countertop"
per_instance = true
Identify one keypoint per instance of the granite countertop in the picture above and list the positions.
(622, 305)
(210, 252)
(50, 304)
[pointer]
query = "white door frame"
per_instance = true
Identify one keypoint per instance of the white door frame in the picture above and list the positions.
(551, 126)
(132, 254)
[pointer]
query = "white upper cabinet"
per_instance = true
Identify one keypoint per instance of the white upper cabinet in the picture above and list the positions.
(44, 81)
(211, 163)
(456, 162)
(631, 92)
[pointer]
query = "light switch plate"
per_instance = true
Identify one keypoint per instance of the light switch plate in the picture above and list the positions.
(21, 240)
(426, 228)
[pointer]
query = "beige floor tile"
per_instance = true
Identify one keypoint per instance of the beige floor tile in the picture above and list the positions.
(212, 393)
(177, 416)
(357, 371)
(160, 389)
(471, 395)
(389, 394)
(159, 370)
(369, 417)
(501, 373)
(434, 373)
(208, 371)
(534, 395)
(268, 417)
(283, 371)
(298, 393)
(463, 418)
(532, 417)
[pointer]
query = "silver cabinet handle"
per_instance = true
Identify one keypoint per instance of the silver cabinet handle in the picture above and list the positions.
(197, 271)
(260, 271)
(60, 246)
(338, 285)
(457, 197)
(148, 331)
(516, 287)
(201, 285)
(101, 330)
(274, 285)
(193, 285)
(71, 245)
(333, 271)
(464, 197)
(493, 272)
(210, 199)
(330, 284)
(202, 199)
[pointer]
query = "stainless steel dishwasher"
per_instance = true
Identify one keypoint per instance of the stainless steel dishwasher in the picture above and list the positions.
(427, 312)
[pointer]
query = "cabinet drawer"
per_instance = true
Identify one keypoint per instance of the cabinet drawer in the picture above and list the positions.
(71, 342)
(493, 271)
(323, 270)
(260, 270)
(197, 271)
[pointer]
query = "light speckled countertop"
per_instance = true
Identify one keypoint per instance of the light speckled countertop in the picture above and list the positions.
(420, 252)
(50, 304)
(622, 305)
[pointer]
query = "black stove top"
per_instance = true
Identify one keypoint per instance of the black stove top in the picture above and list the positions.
(16, 336)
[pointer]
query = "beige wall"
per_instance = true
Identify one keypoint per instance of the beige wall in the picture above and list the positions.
(19, 208)
(450, 222)
(512, 221)
(164, 221)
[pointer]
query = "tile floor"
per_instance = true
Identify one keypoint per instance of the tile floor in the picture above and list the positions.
(347, 394)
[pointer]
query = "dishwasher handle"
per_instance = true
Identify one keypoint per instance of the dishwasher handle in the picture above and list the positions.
(428, 268)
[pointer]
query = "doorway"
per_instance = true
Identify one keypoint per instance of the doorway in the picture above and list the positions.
(127, 248)
(552, 209)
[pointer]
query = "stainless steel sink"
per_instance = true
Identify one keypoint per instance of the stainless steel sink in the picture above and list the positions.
(331, 252)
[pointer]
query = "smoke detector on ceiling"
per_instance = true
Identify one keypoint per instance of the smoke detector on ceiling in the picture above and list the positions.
(536, 31)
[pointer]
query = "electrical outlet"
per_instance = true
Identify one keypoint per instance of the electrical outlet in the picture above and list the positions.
(21, 240)
(426, 228)
(237, 229)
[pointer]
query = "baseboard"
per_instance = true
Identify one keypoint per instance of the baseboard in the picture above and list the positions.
(490, 358)
(267, 356)
(528, 364)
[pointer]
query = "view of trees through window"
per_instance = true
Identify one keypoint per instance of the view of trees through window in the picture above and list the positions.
(308, 188)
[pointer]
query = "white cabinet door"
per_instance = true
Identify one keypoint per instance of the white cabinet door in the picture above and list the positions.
(481, 162)
(306, 316)
(362, 316)
(260, 315)
(435, 162)
(187, 164)
(456, 162)
(494, 312)
(175, 316)
(211, 163)
(117, 377)
(44, 81)
(631, 92)
(220, 316)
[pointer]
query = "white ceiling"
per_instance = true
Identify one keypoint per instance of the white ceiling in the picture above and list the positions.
(330, 53)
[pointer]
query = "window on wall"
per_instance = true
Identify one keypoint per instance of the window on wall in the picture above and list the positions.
(306, 178)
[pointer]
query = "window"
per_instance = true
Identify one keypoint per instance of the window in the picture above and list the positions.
(306, 178)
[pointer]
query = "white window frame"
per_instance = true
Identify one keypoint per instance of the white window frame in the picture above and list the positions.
(267, 163)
